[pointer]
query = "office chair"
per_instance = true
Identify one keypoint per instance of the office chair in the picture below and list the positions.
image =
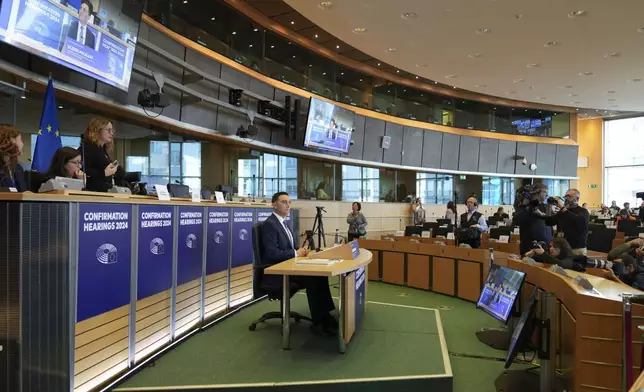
(273, 291)
(179, 190)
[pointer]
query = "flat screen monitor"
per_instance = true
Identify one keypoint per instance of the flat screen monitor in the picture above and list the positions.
(500, 291)
(410, 230)
(97, 40)
(329, 127)
(524, 329)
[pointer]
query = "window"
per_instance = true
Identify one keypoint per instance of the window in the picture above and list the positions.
(248, 176)
(360, 183)
(498, 191)
(557, 187)
(434, 188)
(623, 160)
(280, 175)
(184, 165)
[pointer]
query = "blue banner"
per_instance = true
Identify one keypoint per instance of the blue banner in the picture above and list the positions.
(104, 258)
(360, 296)
(190, 244)
(355, 248)
(217, 253)
(40, 21)
(242, 245)
(262, 214)
(155, 250)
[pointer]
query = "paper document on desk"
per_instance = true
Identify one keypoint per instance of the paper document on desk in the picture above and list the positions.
(318, 261)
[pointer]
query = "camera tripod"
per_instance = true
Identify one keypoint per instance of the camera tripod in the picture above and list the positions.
(318, 227)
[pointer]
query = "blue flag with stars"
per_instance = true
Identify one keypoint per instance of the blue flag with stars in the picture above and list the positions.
(48, 140)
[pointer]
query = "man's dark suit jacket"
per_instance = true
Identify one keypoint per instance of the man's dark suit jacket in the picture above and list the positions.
(276, 246)
(90, 39)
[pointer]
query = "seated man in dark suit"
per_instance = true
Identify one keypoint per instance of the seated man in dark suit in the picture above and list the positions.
(78, 29)
(279, 244)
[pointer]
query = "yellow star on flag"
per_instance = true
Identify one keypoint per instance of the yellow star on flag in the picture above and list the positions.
(57, 134)
(49, 128)
(40, 131)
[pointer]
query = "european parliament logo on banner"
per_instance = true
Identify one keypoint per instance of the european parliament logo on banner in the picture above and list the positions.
(48, 140)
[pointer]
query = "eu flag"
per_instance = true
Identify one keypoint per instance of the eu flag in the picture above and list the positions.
(48, 140)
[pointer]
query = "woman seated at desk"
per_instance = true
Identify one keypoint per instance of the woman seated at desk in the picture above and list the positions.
(102, 172)
(12, 175)
(66, 163)
(559, 253)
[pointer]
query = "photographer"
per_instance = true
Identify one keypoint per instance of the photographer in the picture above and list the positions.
(571, 221)
(634, 248)
(626, 270)
(559, 253)
(529, 208)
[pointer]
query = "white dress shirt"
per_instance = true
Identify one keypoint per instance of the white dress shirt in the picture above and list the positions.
(288, 232)
(481, 224)
(81, 34)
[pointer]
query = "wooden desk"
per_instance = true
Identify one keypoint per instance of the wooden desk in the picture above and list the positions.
(349, 271)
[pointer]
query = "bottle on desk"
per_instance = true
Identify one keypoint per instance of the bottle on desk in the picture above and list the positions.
(337, 237)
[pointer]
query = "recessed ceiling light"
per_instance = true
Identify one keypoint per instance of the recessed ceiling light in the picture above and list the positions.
(423, 65)
(293, 56)
(341, 73)
(397, 71)
(255, 30)
(526, 110)
(234, 32)
(454, 87)
(532, 65)
(272, 46)
(337, 46)
(325, 4)
(292, 22)
(359, 30)
(483, 31)
(635, 80)
(250, 46)
(575, 102)
(60, 106)
(550, 44)
(409, 15)
(390, 50)
(520, 80)
(323, 73)
(416, 77)
(541, 98)
(510, 92)
(404, 91)
(361, 80)
(586, 73)
(379, 64)
(480, 85)
(315, 35)
(310, 65)
(474, 55)
(612, 55)
(573, 95)
(435, 82)
(450, 76)
(611, 91)
(185, 1)
(576, 14)
(213, 18)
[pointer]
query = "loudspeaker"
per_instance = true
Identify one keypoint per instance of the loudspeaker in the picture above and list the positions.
(296, 118)
(235, 97)
(287, 117)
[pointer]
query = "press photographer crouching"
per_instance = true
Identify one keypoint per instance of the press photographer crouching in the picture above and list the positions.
(529, 207)
(571, 221)
(628, 266)
(559, 252)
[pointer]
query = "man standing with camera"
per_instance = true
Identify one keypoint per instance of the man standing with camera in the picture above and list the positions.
(529, 209)
(571, 221)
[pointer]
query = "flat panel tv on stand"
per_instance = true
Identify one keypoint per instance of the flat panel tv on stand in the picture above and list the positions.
(499, 299)
(95, 38)
(329, 127)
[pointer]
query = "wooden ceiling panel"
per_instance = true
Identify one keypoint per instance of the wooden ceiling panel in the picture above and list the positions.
(300, 22)
(322, 36)
(270, 8)
(358, 56)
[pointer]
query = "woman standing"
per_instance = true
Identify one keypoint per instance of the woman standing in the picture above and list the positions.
(450, 213)
(12, 174)
(357, 222)
(102, 172)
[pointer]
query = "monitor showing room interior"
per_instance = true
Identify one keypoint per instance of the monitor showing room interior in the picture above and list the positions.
(500, 291)
(94, 37)
(329, 127)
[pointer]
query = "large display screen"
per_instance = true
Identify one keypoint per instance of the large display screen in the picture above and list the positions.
(329, 127)
(94, 37)
(500, 291)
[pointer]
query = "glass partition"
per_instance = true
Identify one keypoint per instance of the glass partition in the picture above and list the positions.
(224, 30)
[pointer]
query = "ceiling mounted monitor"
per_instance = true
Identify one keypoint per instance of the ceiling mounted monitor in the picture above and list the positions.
(94, 37)
(329, 127)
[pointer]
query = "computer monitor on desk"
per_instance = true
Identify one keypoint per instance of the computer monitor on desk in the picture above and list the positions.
(628, 227)
(442, 221)
(410, 230)
(430, 226)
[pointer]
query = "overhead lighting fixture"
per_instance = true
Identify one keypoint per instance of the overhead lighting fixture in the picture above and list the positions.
(532, 65)
(337, 46)
(397, 71)
(435, 82)
(341, 73)
(60, 106)
(550, 44)
(213, 18)
(292, 22)
(272, 46)
(361, 80)
(379, 64)
(576, 14)
(480, 85)
(234, 32)
(474, 55)
(416, 77)
(640, 30)
(454, 87)
(612, 55)
(293, 56)
(404, 91)
(310, 65)
(450, 76)
(421, 65)
(567, 86)
(323, 73)
(572, 95)
(390, 50)
(359, 30)
(325, 4)
(250, 46)
(520, 80)
(185, 1)
(483, 31)
(611, 91)
(586, 74)
(316, 36)
(409, 15)
(255, 30)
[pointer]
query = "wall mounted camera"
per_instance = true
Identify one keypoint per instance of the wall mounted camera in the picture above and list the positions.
(148, 99)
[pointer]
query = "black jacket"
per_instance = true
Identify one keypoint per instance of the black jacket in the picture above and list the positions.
(531, 228)
(573, 223)
(18, 181)
(547, 258)
(96, 160)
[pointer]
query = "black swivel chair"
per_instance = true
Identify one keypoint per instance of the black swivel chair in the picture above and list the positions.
(261, 288)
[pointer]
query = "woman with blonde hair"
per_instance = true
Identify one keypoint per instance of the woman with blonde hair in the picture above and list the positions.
(12, 175)
(102, 172)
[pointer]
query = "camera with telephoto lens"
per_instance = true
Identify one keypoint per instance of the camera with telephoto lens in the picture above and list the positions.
(553, 200)
(593, 263)
(539, 244)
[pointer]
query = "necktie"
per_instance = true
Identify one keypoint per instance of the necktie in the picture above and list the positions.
(82, 35)
(290, 236)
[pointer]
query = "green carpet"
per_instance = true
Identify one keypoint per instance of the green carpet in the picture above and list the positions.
(394, 341)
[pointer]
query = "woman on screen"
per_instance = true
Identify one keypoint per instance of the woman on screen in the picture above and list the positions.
(102, 171)
(12, 174)
(66, 163)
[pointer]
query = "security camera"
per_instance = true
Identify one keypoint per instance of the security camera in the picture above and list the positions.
(524, 161)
